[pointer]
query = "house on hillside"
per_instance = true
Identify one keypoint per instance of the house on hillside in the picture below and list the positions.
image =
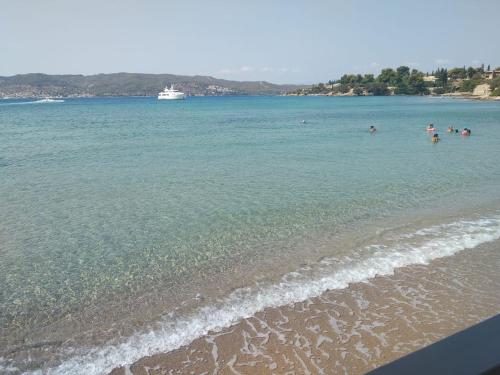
(332, 86)
(490, 74)
(430, 79)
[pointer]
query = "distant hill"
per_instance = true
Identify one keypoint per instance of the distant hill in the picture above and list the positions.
(129, 84)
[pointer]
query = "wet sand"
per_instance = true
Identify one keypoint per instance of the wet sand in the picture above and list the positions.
(349, 331)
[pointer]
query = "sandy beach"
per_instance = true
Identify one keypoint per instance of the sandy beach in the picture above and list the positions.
(351, 330)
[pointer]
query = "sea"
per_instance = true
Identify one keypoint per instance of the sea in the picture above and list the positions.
(132, 226)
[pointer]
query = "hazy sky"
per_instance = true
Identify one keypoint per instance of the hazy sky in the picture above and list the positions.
(275, 40)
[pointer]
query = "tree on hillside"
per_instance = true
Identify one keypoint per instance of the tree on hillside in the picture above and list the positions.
(415, 72)
(489, 67)
(387, 76)
(357, 91)
(417, 85)
(468, 85)
(402, 71)
(441, 77)
(402, 74)
(402, 88)
(470, 72)
(344, 88)
(495, 86)
(318, 89)
(378, 88)
(457, 73)
(409, 83)
(495, 83)
(368, 78)
(350, 79)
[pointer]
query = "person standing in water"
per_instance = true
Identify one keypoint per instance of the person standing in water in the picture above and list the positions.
(466, 132)
(372, 129)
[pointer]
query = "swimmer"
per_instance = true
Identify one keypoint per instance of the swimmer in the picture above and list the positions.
(435, 138)
(450, 129)
(466, 132)
(372, 129)
(431, 128)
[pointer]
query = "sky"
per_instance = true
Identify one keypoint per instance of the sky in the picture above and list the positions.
(281, 41)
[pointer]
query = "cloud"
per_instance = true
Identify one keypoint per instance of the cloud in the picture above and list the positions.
(247, 69)
(241, 69)
(266, 69)
(225, 71)
(442, 61)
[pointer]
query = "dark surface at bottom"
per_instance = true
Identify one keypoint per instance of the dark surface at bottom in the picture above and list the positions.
(475, 350)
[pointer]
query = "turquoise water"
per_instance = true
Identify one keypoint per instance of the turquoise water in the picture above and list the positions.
(106, 202)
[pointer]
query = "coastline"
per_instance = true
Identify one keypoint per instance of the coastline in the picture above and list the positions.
(355, 329)
(454, 96)
(473, 97)
(451, 95)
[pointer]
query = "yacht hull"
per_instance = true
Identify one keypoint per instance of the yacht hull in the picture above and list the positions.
(172, 97)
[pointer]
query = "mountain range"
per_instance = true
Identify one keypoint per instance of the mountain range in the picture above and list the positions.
(35, 85)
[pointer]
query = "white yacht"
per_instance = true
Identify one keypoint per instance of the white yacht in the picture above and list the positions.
(171, 94)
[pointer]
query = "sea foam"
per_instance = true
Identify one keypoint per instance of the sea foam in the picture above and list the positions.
(40, 101)
(445, 240)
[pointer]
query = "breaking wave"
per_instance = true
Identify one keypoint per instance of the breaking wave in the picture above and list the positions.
(419, 247)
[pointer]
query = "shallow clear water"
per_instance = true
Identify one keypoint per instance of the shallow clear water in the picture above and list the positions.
(104, 199)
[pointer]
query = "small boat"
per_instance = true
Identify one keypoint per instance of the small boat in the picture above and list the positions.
(171, 94)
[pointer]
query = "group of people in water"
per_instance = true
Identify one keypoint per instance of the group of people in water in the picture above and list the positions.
(432, 129)
(466, 132)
